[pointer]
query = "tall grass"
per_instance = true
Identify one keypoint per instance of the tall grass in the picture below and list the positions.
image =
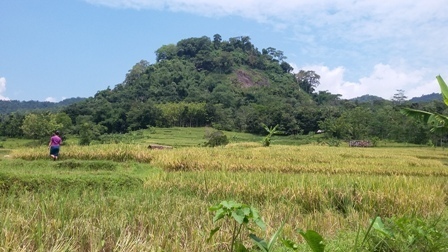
(161, 203)
(309, 158)
(114, 152)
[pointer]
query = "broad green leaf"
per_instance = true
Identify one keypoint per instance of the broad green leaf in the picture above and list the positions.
(255, 214)
(227, 204)
(219, 215)
(433, 119)
(215, 207)
(259, 242)
(246, 211)
(378, 225)
(443, 88)
(212, 232)
(290, 244)
(417, 114)
(314, 240)
(238, 216)
(436, 121)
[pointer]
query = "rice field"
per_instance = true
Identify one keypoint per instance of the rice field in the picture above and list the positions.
(126, 197)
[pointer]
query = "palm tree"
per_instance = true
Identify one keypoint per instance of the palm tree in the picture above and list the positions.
(438, 122)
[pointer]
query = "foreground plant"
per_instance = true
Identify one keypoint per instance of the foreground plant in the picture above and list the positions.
(243, 214)
(438, 122)
(407, 234)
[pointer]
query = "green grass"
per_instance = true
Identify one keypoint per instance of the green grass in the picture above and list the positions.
(187, 137)
(141, 204)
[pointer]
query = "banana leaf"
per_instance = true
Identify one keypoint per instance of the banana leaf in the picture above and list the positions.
(435, 120)
(443, 88)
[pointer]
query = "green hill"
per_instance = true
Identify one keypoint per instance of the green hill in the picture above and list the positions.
(229, 85)
(428, 98)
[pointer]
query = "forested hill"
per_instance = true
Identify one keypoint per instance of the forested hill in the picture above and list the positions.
(428, 98)
(7, 107)
(228, 84)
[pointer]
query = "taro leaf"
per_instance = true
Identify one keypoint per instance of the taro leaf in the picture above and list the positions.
(212, 232)
(227, 204)
(246, 211)
(239, 216)
(290, 244)
(230, 204)
(219, 215)
(378, 225)
(259, 242)
(314, 240)
(255, 214)
(215, 207)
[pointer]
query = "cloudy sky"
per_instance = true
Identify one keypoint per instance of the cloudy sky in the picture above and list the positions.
(51, 50)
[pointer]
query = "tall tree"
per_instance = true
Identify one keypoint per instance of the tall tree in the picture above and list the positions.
(399, 97)
(39, 126)
(217, 39)
(166, 52)
(308, 80)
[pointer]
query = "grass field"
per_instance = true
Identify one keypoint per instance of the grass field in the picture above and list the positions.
(126, 197)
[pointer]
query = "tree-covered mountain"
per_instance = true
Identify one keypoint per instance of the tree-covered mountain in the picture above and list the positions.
(367, 98)
(428, 98)
(226, 84)
(28, 106)
(201, 81)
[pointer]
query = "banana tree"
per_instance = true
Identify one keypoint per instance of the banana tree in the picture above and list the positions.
(438, 122)
(271, 131)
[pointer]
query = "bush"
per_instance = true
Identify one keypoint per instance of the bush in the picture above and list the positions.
(216, 138)
(408, 234)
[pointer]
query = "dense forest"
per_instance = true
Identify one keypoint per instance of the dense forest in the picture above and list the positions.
(228, 85)
(7, 107)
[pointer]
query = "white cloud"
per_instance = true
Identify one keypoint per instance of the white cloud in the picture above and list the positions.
(353, 35)
(384, 81)
(3, 88)
(319, 12)
(389, 28)
(50, 99)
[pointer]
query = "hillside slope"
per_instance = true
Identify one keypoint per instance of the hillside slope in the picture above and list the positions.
(199, 81)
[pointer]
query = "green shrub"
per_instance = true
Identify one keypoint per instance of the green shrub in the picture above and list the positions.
(216, 138)
(408, 234)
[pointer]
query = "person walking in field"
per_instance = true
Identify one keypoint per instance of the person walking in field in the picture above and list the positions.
(54, 145)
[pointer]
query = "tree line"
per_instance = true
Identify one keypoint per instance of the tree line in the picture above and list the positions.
(229, 85)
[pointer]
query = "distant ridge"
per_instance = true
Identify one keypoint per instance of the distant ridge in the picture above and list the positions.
(367, 98)
(427, 98)
(423, 98)
(7, 107)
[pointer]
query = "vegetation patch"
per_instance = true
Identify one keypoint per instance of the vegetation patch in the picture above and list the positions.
(17, 183)
(86, 165)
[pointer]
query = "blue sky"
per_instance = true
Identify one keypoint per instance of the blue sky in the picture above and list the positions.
(52, 50)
